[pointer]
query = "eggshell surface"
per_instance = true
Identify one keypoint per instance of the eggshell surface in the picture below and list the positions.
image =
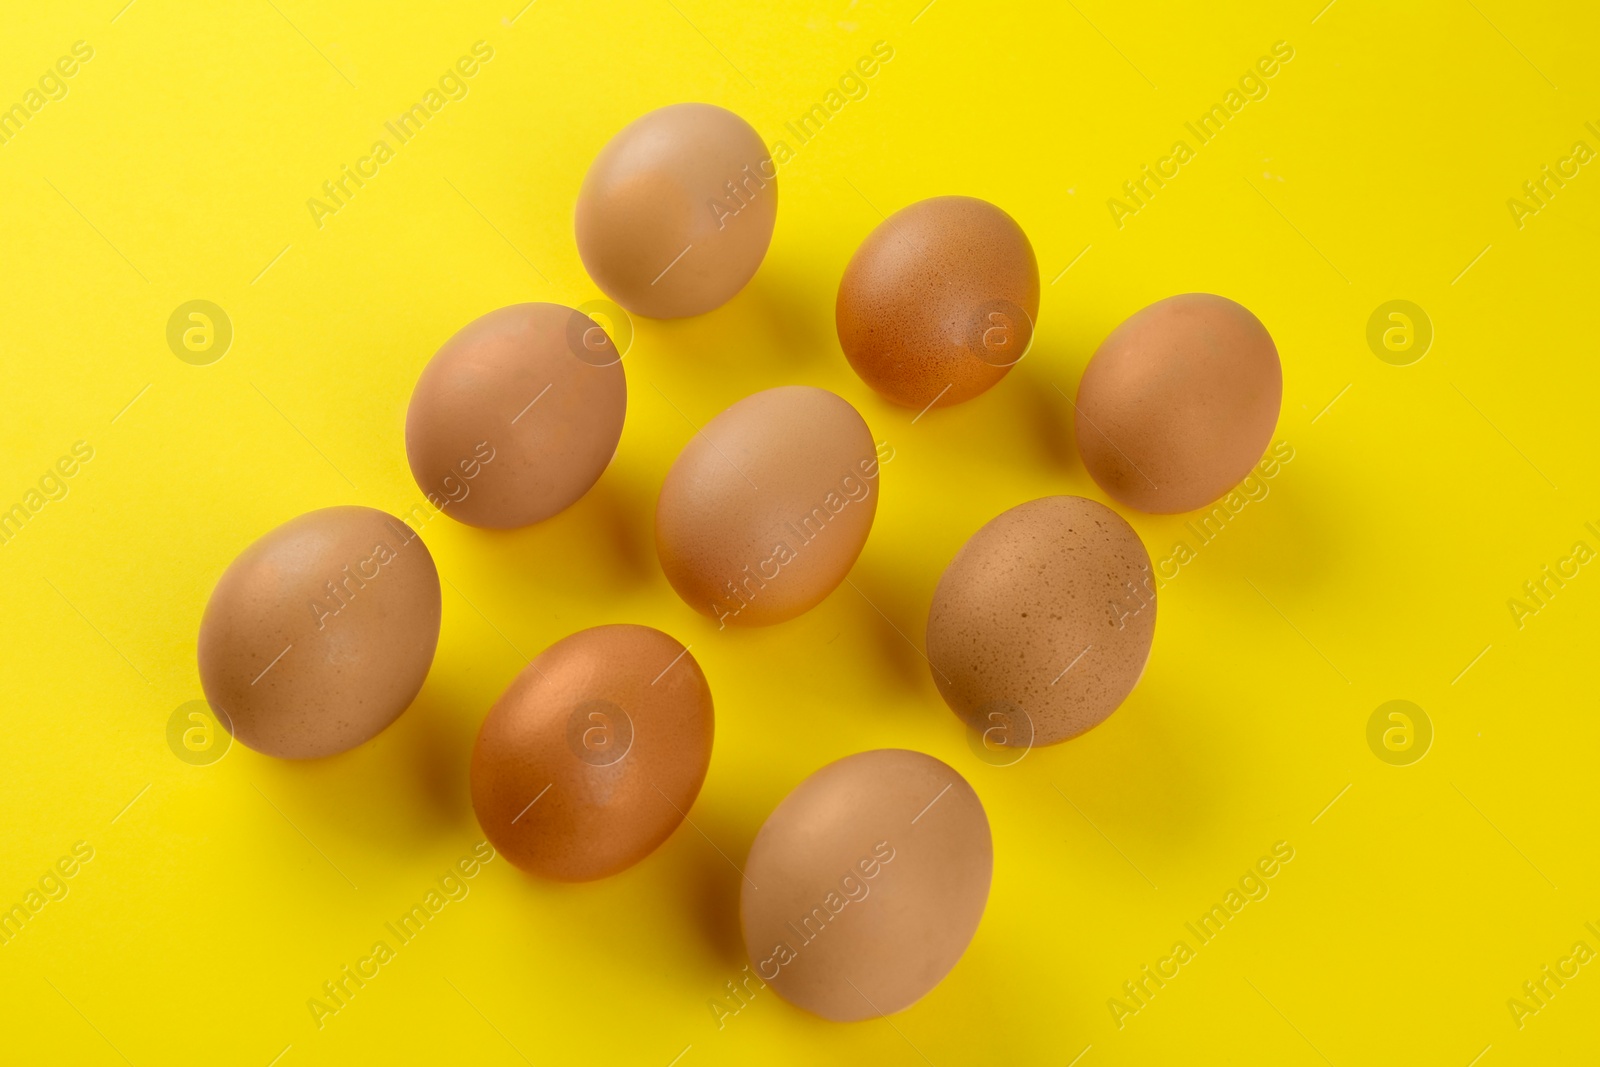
(321, 632)
(765, 510)
(1178, 403)
(676, 212)
(939, 302)
(1043, 621)
(866, 884)
(516, 416)
(594, 754)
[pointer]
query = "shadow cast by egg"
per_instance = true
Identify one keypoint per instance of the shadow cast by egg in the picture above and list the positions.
(1136, 776)
(801, 331)
(1046, 414)
(598, 550)
(760, 336)
(392, 794)
(883, 606)
(708, 882)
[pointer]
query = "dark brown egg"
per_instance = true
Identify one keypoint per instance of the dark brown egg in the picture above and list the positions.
(592, 757)
(939, 302)
(321, 632)
(517, 416)
(1178, 403)
(677, 210)
(1041, 625)
(766, 509)
(866, 884)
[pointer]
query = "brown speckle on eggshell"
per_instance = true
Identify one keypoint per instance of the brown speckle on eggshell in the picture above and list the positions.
(1049, 608)
(939, 302)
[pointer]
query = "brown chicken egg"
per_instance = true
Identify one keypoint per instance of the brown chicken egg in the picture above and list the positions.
(594, 754)
(939, 302)
(765, 510)
(1178, 403)
(1042, 623)
(321, 632)
(517, 416)
(888, 854)
(677, 210)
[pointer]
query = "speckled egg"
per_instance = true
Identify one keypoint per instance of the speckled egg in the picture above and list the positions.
(939, 302)
(1046, 615)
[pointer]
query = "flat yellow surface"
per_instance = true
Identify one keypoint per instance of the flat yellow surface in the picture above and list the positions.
(1380, 563)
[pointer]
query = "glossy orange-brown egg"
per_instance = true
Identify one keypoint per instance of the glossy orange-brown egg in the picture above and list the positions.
(594, 754)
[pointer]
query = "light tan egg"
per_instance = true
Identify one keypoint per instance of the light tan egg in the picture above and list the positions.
(677, 210)
(939, 302)
(1041, 625)
(517, 416)
(321, 632)
(866, 884)
(1178, 403)
(766, 509)
(592, 757)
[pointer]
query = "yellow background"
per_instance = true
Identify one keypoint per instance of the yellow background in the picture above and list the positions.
(1379, 567)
